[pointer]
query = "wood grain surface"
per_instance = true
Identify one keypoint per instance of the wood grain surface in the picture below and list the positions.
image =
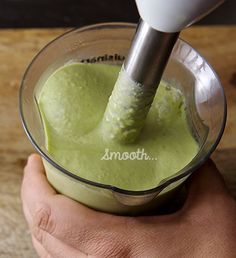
(17, 47)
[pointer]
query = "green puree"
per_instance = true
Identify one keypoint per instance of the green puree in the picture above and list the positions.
(72, 104)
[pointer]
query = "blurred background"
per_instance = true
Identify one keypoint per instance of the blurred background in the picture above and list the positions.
(75, 13)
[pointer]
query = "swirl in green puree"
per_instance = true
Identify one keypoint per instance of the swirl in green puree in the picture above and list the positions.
(72, 103)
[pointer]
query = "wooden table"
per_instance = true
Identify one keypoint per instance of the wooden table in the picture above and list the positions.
(17, 47)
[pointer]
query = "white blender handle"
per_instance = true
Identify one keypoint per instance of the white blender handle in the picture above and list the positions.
(174, 15)
(155, 37)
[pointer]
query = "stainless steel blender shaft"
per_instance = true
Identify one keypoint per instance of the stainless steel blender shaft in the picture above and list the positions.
(148, 55)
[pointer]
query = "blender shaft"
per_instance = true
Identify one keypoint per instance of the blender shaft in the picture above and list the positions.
(148, 55)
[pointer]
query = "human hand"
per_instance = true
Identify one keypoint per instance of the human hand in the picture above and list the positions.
(63, 228)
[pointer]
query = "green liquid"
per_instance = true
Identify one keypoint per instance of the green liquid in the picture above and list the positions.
(72, 104)
(127, 109)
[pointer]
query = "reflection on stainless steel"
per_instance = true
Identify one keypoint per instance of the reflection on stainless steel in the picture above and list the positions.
(148, 55)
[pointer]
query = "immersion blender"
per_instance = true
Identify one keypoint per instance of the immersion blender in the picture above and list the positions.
(158, 30)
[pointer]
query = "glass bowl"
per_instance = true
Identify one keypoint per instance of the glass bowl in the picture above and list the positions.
(109, 43)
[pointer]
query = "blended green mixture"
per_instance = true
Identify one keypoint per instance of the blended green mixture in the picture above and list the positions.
(72, 104)
(127, 109)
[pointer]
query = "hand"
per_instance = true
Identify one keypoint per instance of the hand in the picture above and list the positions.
(63, 228)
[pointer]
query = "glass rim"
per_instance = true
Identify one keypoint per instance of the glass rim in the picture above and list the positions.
(157, 189)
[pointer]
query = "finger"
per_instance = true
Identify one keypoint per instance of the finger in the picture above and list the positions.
(80, 227)
(206, 186)
(27, 214)
(40, 249)
(35, 187)
(60, 216)
(34, 176)
(46, 244)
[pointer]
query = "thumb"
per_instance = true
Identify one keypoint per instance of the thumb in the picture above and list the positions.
(205, 187)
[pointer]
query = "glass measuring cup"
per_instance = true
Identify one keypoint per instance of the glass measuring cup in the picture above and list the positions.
(109, 43)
